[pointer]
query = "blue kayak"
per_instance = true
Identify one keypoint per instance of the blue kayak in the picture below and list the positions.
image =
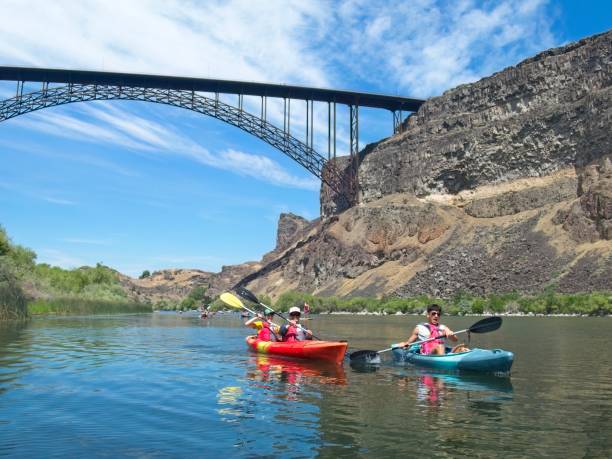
(481, 360)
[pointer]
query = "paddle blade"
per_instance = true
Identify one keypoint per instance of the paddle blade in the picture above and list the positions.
(365, 356)
(231, 300)
(247, 294)
(486, 325)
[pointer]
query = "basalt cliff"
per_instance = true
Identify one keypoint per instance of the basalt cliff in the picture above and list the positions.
(499, 185)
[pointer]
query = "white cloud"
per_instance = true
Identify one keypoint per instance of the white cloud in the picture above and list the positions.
(84, 241)
(59, 124)
(424, 47)
(107, 124)
(44, 195)
(53, 200)
(56, 257)
(263, 168)
(420, 48)
(229, 39)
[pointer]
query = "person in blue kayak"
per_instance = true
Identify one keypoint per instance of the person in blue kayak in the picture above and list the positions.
(432, 329)
(293, 331)
(266, 329)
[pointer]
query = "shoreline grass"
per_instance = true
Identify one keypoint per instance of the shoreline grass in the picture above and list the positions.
(80, 306)
(547, 303)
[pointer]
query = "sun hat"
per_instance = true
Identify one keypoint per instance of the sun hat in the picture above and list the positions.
(294, 309)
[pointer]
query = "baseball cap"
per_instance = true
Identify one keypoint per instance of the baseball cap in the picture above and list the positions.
(294, 309)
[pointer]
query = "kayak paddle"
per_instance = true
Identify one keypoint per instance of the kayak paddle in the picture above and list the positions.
(234, 302)
(485, 325)
(247, 294)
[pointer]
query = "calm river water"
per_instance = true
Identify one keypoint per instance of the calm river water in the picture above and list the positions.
(167, 385)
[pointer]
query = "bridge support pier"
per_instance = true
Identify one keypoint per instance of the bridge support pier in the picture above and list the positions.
(397, 121)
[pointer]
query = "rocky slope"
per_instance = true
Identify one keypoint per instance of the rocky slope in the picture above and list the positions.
(503, 184)
(549, 112)
(172, 285)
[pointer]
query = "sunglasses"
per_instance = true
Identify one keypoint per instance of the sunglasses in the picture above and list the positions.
(294, 314)
(434, 313)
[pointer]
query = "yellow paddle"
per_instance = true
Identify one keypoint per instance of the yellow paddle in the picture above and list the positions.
(234, 302)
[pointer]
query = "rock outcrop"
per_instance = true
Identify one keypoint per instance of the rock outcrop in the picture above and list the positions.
(589, 218)
(547, 113)
(290, 226)
(172, 285)
(499, 185)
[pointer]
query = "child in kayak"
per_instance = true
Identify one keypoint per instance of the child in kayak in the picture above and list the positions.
(266, 329)
(293, 331)
(432, 329)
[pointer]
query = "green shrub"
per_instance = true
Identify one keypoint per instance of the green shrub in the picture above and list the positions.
(196, 297)
(13, 304)
(5, 244)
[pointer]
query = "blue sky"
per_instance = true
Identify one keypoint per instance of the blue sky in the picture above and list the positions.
(139, 186)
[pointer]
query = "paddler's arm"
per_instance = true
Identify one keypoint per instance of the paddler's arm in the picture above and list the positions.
(448, 333)
(251, 322)
(414, 337)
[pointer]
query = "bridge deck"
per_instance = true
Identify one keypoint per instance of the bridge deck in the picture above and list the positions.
(363, 99)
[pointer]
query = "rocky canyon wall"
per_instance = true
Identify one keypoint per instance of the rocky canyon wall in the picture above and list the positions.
(549, 112)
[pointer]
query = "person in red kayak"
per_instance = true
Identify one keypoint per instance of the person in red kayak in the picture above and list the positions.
(266, 329)
(432, 329)
(293, 331)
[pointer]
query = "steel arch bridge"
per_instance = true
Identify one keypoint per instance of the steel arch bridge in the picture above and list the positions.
(61, 87)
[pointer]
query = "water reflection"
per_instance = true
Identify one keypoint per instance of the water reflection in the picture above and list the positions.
(13, 361)
(292, 375)
(433, 388)
(363, 366)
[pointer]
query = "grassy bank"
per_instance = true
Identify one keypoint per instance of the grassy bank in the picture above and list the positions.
(64, 306)
(550, 302)
(27, 287)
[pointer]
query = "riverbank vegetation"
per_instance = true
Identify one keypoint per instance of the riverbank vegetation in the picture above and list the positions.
(547, 303)
(27, 287)
(84, 306)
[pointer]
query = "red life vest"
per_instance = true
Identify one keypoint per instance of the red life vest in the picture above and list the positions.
(428, 347)
(290, 335)
(264, 333)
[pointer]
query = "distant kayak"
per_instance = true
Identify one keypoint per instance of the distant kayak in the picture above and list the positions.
(329, 351)
(481, 360)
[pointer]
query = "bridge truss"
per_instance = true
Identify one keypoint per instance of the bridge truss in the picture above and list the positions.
(82, 86)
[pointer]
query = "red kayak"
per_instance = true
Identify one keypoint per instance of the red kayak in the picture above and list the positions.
(330, 351)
